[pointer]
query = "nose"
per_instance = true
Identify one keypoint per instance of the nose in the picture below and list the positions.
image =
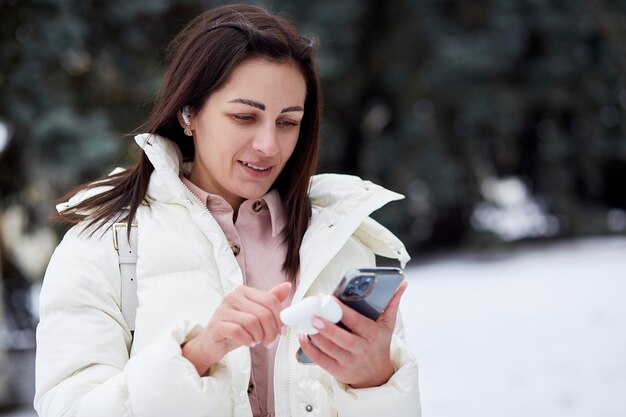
(266, 141)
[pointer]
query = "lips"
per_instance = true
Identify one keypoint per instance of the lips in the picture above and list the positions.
(255, 167)
(258, 169)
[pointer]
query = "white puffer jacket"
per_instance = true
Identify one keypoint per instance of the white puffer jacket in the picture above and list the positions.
(185, 267)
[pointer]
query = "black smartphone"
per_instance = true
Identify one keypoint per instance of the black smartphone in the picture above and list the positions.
(367, 291)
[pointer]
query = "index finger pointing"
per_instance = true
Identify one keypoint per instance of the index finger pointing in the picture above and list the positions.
(268, 301)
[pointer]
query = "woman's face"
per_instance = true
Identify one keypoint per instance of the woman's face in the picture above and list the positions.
(246, 131)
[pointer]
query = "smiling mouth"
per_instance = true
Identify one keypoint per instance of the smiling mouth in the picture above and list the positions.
(254, 167)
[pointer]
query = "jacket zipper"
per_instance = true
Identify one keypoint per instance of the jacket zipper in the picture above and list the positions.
(195, 197)
(289, 375)
(203, 207)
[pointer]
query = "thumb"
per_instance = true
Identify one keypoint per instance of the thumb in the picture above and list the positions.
(388, 318)
(281, 291)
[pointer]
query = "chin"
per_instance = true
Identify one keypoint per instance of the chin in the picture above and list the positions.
(253, 194)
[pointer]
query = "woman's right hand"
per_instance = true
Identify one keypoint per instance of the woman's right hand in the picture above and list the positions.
(246, 317)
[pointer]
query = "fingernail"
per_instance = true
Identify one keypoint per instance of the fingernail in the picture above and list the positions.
(283, 331)
(253, 344)
(317, 323)
(301, 336)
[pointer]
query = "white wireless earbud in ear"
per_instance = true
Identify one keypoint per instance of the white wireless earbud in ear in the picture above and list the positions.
(300, 314)
(185, 113)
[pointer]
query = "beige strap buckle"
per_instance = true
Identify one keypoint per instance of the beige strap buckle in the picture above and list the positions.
(116, 227)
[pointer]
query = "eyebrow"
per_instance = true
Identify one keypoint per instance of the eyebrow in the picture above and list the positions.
(261, 106)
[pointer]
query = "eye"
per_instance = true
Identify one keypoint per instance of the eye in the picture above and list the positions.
(287, 123)
(243, 118)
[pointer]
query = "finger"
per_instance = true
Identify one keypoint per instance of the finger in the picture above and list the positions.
(356, 322)
(268, 300)
(389, 316)
(267, 320)
(340, 337)
(331, 348)
(315, 354)
(249, 322)
(234, 333)
(281, 291)
(252, 302)
(257, 302)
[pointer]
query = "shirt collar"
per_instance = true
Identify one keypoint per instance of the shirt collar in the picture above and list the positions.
(214, 202)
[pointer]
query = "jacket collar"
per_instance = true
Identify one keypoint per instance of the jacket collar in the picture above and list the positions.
(166, 158)
(341, 205)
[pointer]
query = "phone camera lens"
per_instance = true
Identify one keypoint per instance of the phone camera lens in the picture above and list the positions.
(364, 286)
(351, 292)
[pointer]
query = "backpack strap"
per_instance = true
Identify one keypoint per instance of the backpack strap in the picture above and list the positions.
(127, 255)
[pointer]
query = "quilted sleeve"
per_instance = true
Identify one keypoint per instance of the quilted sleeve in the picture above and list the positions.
(82, 363)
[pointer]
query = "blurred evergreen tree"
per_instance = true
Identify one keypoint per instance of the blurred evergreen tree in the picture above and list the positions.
(438, 96)
(428, 97)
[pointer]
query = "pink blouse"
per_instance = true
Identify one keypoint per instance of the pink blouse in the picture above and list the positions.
(258, 242)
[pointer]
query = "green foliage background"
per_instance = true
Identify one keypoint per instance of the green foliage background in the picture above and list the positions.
(428, 98)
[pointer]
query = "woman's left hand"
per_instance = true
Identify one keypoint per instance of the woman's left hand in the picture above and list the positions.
(362, 358)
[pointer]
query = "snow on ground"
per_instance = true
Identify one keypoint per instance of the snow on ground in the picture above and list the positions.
(535, 332)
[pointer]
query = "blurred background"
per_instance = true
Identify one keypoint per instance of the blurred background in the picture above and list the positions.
(502, 121)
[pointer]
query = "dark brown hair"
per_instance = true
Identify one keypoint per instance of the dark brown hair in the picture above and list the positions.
(201, 58)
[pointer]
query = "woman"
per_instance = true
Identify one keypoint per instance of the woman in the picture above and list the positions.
(232, 227)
